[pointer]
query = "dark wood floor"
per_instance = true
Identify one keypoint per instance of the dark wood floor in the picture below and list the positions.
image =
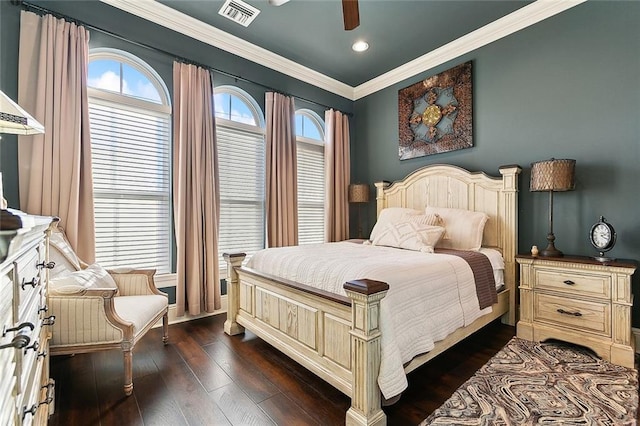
(204, 377)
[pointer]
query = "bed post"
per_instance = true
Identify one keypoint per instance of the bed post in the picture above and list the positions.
(366, 408)
(234, 260)
(380, 198)
(510, 236)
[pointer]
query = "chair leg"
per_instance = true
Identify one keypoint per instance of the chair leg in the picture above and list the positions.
(165, 328)
(128, 372)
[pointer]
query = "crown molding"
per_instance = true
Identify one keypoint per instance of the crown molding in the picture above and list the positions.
(507, 25)
(170, 18)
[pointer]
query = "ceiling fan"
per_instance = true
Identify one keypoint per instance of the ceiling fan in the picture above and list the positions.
(350, 12)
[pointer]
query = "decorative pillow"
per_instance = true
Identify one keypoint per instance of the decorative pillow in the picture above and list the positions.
(464, 228)
(79, 281)
(409, 235)
(62, 255)
(394, 215)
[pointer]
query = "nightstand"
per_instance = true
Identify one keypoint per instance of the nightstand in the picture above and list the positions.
(579, 300)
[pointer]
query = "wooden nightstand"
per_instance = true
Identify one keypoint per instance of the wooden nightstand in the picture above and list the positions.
(579, 300)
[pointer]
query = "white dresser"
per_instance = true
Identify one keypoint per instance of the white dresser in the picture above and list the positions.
(26, 391)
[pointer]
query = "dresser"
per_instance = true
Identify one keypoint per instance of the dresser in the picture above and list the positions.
(26, 391)
(579, 300)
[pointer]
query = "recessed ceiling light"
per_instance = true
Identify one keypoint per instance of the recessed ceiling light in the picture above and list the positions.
(360, 46)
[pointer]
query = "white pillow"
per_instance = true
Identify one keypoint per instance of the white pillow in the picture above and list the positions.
(62, 255)
(394, 215)
(94, 276)
(464, 228)
(409, 235)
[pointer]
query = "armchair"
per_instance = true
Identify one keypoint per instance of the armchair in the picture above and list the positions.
(97, 309)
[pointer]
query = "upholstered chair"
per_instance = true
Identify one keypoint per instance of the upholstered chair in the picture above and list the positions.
(97, 309)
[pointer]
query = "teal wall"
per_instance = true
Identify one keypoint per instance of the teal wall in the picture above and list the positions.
(567, 87)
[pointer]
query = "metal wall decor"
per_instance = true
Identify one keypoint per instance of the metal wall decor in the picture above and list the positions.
(435, 114)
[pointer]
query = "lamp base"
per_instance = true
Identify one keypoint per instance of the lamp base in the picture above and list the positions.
(551, 250)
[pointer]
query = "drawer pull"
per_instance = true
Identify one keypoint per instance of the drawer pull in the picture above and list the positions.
(35, 345)
(33, 283)
(50, 320)
(575, 314)
(45, 308)
(18, 342)
(48, 265)
(18, 328)
(42, 354)
(568, 282)
(32, 410)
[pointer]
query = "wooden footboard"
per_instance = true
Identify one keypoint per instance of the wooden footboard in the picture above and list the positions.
(338, 337)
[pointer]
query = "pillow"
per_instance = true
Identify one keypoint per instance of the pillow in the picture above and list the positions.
(464, 228)
(393, 215)
(62, 255)
(410, 235)
(94, 276)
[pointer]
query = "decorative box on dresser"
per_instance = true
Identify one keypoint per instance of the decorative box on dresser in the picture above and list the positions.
(26, 391)
(579, 300)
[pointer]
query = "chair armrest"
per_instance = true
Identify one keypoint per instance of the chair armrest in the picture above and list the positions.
(135, 282)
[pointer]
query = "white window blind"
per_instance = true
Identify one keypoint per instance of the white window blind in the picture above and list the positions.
(241, 162)
(310, 192)
(131, 178)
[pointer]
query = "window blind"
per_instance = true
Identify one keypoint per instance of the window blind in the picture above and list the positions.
(310, 193)
(131, 180)
(241, 165)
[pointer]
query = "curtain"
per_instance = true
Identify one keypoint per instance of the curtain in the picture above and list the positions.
(281, 170)
(338, 175)
(55, 168)
(196, 194)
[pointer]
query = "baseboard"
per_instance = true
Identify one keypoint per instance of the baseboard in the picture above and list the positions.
(175, 319)
(636, 333)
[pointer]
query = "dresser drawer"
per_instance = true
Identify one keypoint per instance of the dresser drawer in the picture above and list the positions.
(573, 283)
(592, 317)
(28, 281)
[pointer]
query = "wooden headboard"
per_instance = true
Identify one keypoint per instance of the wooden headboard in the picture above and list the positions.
(442, 185)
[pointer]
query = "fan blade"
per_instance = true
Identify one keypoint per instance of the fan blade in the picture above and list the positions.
(351, 14)
(277, 2)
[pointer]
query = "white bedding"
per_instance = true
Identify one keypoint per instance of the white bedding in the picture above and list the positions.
(430, 295)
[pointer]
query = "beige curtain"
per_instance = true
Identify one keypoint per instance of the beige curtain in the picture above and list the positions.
(338, 175)
(196, 195)
(55, 168)
(282, 164)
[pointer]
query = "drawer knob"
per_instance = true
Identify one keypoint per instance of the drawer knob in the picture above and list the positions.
(568, 282)
(42, 354)
(48, 265)
(33, 283)
(575, 314)
(45, 308)
(33, 410)
(18, 342)
(18, 328)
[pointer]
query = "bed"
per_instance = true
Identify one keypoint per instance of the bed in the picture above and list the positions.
(338, 337)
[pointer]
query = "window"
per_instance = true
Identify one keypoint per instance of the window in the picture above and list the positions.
(241, 166)
(130, 119)
(310, 138)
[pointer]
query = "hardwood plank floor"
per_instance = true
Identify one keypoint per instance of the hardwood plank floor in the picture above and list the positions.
(204, 377)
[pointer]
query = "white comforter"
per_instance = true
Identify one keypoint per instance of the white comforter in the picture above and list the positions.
(430, 295)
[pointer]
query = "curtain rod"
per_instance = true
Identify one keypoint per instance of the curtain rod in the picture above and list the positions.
(36, 8)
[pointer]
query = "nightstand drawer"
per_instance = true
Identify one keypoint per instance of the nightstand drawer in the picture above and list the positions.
(592, 317)
(574, 283)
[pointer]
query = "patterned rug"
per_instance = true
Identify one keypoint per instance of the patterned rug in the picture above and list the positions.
(529, 383)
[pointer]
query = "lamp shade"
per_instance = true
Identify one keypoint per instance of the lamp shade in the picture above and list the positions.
(358, 193)
(15, 120)
(553, 175)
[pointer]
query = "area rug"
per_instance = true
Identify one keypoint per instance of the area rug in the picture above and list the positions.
(529, 383)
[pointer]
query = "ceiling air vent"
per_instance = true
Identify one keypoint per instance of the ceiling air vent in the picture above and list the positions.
(239, 11)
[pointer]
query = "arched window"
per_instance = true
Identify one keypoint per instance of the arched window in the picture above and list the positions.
(241, 164)
(130, 115)
(310, 139)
